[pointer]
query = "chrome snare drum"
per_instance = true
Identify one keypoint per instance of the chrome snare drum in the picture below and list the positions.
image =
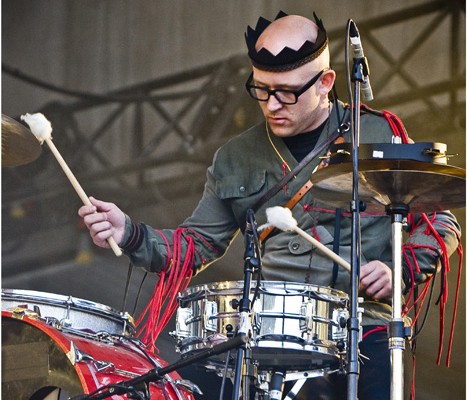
(69, 312)
(295, 326)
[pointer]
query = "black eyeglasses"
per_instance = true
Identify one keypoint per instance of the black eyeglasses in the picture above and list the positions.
(284, 96)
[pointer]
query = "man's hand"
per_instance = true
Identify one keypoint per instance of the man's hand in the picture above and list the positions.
(103, 221)
(376, 280)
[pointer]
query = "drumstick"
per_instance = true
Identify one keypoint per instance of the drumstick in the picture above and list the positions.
(42, 130)
(282, 218)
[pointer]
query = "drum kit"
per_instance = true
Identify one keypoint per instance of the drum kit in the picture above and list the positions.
(59, 347)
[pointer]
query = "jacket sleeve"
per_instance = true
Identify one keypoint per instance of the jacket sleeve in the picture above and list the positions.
(433, 237)
(211, 228)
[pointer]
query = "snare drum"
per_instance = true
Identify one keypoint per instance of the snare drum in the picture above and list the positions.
(294, 326)
(42, 359)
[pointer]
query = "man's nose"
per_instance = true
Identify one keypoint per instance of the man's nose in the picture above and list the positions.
(273, 104)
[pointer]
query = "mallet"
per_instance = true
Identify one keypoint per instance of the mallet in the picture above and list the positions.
(42, 130)
(282, 219)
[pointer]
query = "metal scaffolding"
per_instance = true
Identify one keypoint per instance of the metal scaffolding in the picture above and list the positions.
(174, 124)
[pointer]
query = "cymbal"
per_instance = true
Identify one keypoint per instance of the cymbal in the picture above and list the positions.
(422, 186)
(19, 145)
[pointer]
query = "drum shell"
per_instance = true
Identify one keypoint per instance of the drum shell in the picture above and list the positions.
(52, 342)
(70, 312)
(296, 326)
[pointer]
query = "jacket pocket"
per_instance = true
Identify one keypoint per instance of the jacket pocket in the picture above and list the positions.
(240, 186)
(299, 245)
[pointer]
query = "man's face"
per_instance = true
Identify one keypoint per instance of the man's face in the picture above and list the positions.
(309, 111)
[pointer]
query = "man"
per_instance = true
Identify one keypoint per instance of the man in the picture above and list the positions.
(292, 81)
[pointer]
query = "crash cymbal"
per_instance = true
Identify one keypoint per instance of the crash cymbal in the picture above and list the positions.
(19, 145)
(422, 186)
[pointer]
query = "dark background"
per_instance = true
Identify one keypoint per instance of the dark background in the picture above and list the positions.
(140, 94)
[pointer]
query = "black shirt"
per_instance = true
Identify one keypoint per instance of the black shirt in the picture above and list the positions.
(300, 145)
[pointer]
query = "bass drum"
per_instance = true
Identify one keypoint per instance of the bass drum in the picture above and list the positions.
(48, 361)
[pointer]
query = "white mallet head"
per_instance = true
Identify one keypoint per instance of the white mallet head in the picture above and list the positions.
(281, 218)
(40, 126)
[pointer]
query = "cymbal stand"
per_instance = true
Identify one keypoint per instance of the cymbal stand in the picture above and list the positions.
(397, 332)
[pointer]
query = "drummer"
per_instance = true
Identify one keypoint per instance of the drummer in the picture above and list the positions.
(292, 82)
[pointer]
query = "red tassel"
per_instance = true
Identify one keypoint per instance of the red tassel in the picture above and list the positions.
(173, 280)
(284, 172)
(409, 256)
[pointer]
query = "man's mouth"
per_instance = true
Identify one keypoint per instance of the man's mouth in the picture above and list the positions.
(277, 120)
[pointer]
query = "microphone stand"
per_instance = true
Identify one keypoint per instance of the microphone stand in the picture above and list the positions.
(353, 322)
(359, 69)
(243, 360)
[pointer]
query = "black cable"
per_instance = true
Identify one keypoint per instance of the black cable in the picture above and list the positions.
(257, 251)
(428, 306)
(127, 285)
(346, 60)
(139, 292)
(224, 376)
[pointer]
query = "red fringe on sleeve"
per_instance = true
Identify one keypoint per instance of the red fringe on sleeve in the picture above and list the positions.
(173, 280)
(408, 251)
(409, 256)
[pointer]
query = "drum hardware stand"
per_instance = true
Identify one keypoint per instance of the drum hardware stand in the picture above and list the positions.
(157, 374)
(276, 385)
(397, 331)
(244, 367)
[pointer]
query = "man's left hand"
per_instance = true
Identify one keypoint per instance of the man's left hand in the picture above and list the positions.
(376, 280)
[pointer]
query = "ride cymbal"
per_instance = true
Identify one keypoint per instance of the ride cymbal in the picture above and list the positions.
(19, 145)
(420, 185)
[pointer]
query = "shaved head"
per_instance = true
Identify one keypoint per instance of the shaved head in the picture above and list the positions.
(291, 31)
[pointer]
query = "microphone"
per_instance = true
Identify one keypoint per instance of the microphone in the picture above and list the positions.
(357, 47)
(276, 386)
(250, 230)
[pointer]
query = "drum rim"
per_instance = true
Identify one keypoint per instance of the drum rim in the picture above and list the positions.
(48, 298)
(238, 284)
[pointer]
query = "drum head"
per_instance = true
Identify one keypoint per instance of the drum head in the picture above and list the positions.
(33, 365)
(40, 362)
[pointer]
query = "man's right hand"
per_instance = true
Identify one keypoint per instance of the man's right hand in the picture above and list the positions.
(103, 221)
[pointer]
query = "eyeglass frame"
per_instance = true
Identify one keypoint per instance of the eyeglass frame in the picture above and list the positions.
(297, 93)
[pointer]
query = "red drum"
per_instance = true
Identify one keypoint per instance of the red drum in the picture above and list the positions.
(41, 360)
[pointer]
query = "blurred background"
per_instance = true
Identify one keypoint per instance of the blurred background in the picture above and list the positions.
(140, 93)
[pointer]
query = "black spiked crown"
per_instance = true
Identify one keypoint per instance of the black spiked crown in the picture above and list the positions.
(287, 59)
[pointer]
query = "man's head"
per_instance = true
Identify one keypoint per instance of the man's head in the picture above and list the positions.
(286, 54)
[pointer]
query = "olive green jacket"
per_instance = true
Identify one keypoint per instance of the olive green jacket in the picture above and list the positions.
(242, 171)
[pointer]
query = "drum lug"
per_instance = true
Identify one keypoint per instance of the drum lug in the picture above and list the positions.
(75, 355)
(187, 385)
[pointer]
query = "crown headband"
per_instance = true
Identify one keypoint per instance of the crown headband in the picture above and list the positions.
(287, 59)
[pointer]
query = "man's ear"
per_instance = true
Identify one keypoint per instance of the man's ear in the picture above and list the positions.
(327, 81)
